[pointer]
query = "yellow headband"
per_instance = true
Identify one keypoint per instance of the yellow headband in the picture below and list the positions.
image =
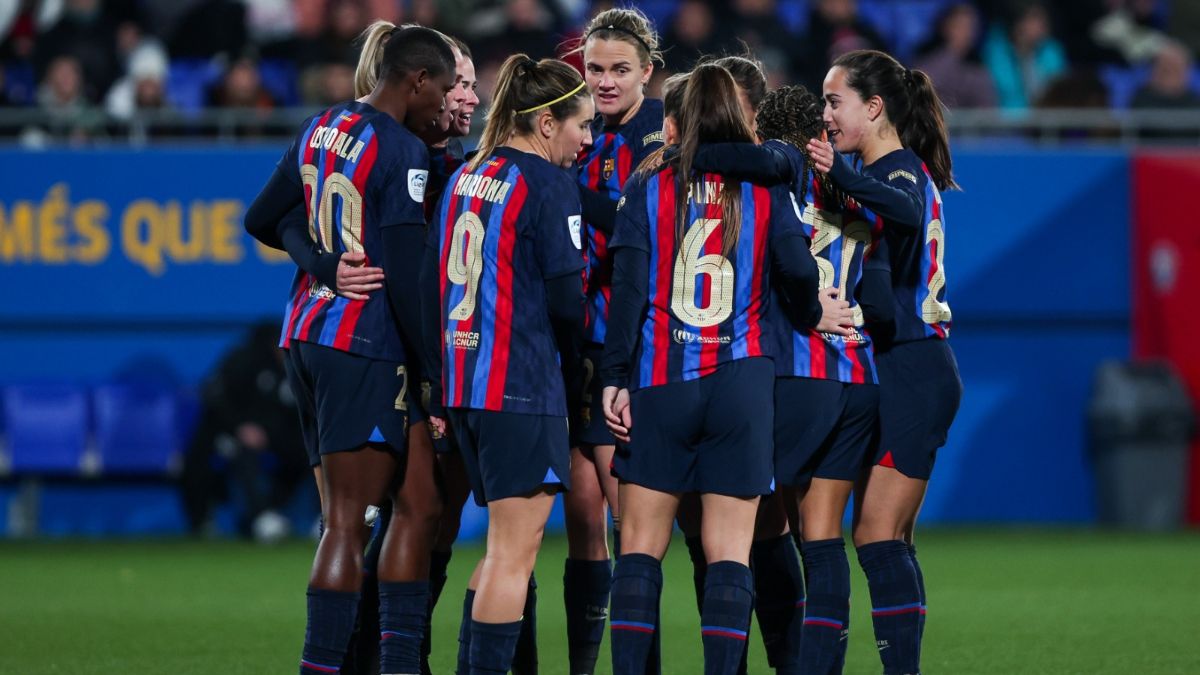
(560, 99)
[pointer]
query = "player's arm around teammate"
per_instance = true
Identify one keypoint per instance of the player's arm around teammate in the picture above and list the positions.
(353, 166)
(892, 118)
(687, 379)
(502, 271)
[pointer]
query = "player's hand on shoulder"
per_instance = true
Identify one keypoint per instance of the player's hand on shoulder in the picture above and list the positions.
(615, 402)
(820, 151)
(836, 315)
(354, 279)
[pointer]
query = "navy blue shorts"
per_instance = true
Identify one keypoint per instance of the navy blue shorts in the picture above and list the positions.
(823, 429)
(510, 454)
(587, 416)
(919, 393)
(346, 401)
(711, 435)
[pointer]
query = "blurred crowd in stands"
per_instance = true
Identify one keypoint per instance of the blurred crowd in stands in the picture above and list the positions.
(87, 64)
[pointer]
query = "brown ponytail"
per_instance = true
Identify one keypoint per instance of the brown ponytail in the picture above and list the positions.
(710, 114)
(912, 106)
(523, 88)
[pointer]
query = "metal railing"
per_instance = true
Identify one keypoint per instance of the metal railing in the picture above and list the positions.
(35, 128)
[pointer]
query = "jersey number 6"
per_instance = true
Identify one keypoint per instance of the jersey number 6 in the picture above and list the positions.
(689, 265)
(465, 262)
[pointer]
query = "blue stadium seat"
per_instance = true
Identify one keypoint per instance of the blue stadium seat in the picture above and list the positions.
(1122, 83)
(137, 429)
(46, 428)
(904, 24)
(188, 81)
(280, 79)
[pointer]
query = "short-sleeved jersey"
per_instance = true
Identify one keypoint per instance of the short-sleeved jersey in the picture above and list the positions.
(844, 235)
(917, 257)
(500, 231)
(361, 171)
(705, 308)
(615, 153)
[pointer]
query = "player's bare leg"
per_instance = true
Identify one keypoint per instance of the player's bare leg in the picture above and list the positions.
(637, 580)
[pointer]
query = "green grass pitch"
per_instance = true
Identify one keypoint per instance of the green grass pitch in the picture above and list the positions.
(1001, 601)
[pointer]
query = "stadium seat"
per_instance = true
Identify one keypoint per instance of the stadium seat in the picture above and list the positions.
(137, 429)
(188, 81)
(279, 77)
(46, 428)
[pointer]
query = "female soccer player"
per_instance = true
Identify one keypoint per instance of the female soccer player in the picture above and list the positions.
(693, 261)
(504, 290)
(891, 118)
(619, 48)
(360, 171)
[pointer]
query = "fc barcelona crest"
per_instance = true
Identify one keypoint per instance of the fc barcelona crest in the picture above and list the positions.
(609, 165)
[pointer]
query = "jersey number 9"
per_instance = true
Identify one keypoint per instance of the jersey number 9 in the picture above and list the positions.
(465, 262)
(689, 265)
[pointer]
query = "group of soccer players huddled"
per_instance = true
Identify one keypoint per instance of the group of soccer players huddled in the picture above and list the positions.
(725, 309)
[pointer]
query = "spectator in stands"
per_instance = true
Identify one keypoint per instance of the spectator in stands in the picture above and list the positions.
(88, 36)
(241, 88)
(758, 24)
(144, 85)
(1130, 29)
(1022, 54)
(1170, 84)
(693, 33)
(522, 26)
(1184, 24)
(344, 21)
(248, 434)
(951, 58)
(834, 28)
(328, 84)
(67, 114)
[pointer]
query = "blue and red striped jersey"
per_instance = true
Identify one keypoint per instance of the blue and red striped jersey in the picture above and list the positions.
(500, 231)
(615, 153)
(917, 257)
(443, 162)
(844, 235)
(704, 308)
(361, 171)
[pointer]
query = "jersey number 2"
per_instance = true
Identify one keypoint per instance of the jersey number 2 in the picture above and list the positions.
(465, 262)
(827, 229)
(689, 265)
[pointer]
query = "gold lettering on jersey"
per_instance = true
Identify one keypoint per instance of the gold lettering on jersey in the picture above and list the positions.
(482, 187)
(901, 173)
(338, 142)
(705, 192)
(609, 165)
(654, 137)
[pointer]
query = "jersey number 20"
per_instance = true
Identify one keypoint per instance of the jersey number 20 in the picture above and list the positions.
(321, 213)
(689, 265)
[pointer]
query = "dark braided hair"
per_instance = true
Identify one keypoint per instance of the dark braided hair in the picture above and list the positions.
(794, 115)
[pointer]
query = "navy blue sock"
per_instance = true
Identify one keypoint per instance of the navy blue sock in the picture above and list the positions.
(616, 523)
(695, 549)
(492, 647)
(464, 635)
(402, 610)
(438, 562)
(725, 621)
(827, 619)
(779, 599)
(636, 589)
(525, 659)
(912, 555)
(330, 621)
(895, 604)
(586, 584)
